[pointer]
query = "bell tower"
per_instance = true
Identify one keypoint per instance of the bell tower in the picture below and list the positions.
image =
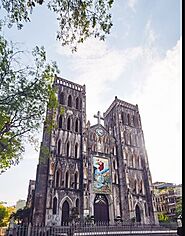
(61, 188)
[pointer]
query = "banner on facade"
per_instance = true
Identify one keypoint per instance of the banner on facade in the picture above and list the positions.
(101, 175)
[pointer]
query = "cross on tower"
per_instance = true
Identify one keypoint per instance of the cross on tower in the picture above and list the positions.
(98, 116)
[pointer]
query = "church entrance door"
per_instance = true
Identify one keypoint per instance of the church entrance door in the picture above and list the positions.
(65, 213)
(138, 214)
(101, 209)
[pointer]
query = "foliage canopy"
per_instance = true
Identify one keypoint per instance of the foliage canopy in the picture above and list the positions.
(77, 19)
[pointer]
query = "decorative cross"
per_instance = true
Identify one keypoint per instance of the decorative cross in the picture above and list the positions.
(98, 116)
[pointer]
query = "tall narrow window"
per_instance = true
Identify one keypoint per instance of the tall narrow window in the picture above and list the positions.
(132, 160)
(135, 121)
(76, 180)
(69, 102)
(135, 186)
(131, 139)
(76, 125)
(59, 147)
(114, 165)
(122, 117)
(61, 98)
(68, 149)
(115, 178)
(54, 206)
(141, 187)
(67, 180)
(60, 122)
(76, 150)
(125, 137)
(77, 203)
(69, 123)
(128, 119)
(77, 103)
(57, 179)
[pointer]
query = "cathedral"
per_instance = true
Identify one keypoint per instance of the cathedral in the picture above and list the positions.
(100, 170)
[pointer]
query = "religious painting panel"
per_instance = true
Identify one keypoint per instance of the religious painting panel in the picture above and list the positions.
(101, 175)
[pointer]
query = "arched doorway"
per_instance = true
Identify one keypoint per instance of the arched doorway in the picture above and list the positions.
(65, 213)
(138, 214)
(101, 209)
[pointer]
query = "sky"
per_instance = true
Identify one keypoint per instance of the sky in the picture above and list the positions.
(139, 62)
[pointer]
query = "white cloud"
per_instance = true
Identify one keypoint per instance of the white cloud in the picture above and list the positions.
(157, 83)
(132, 4)
(160, 107)
(95, 65)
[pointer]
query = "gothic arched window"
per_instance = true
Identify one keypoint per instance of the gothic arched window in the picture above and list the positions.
(69, 123)
(77, 103)
(59, 147)
(76, 180)
(69, 101)
(60, 122)
(125, 137)
(57, 183)
(131, 139)
(76, 150)
(67, 180)
(114, 165)
(54, 206)
(128, 119)
(61, 98)
(135, 186)
(76, 125)
(77, 203)
(141, 187)
(115, 178)
(122, 117)
(132, 160)
(68, 149)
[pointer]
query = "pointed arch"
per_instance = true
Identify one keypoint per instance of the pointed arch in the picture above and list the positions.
(61, 98)
(55, 203)
(65, 213)
(138, 214)
(59, 147)
(60, 122)
(69, 101)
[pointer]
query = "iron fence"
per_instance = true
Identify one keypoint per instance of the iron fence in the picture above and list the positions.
(92, 229)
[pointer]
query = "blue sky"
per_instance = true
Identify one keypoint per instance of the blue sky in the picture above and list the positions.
(140, 62)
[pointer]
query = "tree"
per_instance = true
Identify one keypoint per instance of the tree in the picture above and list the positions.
(5, 213)
(25, 90)
(24, 93)
(78, 19)
(22, 215)
(178, 210)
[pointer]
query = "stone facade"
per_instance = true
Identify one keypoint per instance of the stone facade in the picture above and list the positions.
(101, 171)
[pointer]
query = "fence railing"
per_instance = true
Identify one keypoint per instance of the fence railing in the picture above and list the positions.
(89, 229)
